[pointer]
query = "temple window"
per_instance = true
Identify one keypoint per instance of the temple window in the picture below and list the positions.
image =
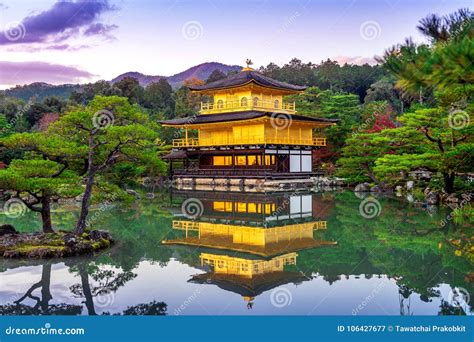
(252, 160)
(220, 104)
(277, 104)
(241, 207)
(222, 206)
(270, 160)
(255, 101)
(240, 160)
(252, 208)
(243, 102)
(222, 160)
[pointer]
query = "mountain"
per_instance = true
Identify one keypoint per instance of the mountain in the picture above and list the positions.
(40, 90)
(144, 80)
(201, 71)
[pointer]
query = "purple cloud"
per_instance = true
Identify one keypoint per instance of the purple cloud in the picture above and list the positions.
(99, 29)
(62, 21)
(18, 73)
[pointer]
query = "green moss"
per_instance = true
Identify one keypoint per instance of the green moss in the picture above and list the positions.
(52, 245)
(25, 249)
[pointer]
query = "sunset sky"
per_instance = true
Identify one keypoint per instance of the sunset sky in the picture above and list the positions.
(82, 41)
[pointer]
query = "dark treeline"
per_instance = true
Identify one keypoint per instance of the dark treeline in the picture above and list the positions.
(355, 79)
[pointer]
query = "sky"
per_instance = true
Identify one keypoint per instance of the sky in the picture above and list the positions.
(79, 41)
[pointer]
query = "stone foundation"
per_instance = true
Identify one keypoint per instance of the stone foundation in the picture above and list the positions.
(243, 184)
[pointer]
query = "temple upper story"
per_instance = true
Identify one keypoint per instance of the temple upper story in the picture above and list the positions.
(249, 108)
(247, 90)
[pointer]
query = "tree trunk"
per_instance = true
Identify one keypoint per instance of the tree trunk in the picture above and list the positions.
(449, 182)
(81, 223)
(86, 289)
(46, 214)
(371, 175)
(45, 287)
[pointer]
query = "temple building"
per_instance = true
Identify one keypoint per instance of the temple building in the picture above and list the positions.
(249, 246)
(245, 136)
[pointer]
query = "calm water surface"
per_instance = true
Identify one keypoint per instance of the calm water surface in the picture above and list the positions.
(237, 254)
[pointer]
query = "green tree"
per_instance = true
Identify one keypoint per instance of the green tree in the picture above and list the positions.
(437, 144)
(444, 68)
(45, 172)
(359, 156)
(158, 97)
(131, 89)
(187, 102)
(384, 90)
(110, 130)
(36, 182)
(6, 128)
(216, 75)
(347, 109)
(90, 90)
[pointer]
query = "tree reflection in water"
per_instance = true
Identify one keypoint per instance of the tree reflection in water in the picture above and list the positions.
(404, 246)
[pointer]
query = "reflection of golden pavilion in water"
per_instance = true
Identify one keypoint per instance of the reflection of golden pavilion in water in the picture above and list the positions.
(252, 243)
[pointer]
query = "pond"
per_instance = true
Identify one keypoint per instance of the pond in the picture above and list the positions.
(198, 253)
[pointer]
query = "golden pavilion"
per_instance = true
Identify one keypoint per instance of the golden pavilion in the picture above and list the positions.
(249, 246)
(245, 135)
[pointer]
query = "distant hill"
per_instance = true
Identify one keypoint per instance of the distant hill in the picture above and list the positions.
(41, 90)
(201, 71)
(143, 79)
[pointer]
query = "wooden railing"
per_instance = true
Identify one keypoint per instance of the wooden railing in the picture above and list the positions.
(231, 106)
(320, 225)
(185, 225)
(256, 140)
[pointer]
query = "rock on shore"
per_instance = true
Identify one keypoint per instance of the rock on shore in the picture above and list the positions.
(52, 245)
